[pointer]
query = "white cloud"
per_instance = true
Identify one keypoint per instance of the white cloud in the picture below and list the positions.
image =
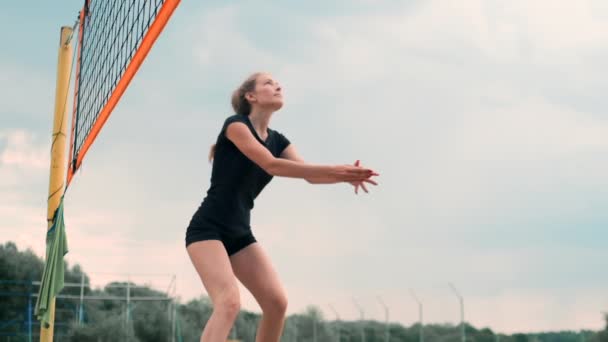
(219, 45)
(23, 223)
(23, 150)
(505, 31)
(522, 308)
(24, 166)
(529, 130)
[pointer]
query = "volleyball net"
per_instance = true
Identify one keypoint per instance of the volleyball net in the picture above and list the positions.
(114, 38)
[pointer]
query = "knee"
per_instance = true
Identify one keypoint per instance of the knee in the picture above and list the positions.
(228, 306)
(276, 305)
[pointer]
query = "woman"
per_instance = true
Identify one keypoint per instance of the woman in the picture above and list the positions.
(219, 240)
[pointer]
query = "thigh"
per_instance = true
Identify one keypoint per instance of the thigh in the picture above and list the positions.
(252, 266)
(213, 267)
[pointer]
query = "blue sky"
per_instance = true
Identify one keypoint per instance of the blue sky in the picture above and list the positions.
(485, 119)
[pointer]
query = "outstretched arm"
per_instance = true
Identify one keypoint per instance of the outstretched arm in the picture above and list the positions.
(244, 140)
(291, 153)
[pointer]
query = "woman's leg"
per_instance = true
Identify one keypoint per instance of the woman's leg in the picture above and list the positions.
(253, 268)
(213, 266)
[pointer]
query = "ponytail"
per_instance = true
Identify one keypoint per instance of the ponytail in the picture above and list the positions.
(240, 104)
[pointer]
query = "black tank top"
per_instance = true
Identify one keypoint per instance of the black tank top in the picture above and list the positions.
(236, 180)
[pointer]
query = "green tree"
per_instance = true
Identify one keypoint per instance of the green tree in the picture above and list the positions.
(246, 326)
(602, 336)
(193, 316)
(151, 321)
(17, 271)
(109, 329)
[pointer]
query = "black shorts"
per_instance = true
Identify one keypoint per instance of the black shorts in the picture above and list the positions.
(232, 243)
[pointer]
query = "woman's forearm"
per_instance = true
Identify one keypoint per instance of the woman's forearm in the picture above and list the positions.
(323, 180)
(287, 168)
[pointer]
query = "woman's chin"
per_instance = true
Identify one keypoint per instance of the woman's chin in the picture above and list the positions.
(277, 105)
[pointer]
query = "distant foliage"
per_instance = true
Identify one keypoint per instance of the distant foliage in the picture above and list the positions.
(156, 321)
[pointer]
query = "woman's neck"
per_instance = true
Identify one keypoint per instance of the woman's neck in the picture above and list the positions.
(260, 120)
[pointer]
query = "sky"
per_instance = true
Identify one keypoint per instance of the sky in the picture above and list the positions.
(486, 120)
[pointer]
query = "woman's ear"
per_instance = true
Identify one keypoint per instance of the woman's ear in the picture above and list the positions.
(250, 97)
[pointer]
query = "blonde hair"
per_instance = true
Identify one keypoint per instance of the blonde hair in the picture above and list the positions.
(239, 101)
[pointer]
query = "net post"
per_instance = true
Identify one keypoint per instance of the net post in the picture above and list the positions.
(58, 147)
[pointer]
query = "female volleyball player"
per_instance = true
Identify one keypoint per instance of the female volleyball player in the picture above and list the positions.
(219, 240)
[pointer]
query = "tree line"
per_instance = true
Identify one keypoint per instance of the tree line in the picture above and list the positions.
(160, 318)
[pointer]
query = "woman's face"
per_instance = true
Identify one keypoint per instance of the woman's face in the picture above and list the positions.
(267, 93)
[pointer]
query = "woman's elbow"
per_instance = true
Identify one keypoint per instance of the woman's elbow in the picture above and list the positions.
(272, 167)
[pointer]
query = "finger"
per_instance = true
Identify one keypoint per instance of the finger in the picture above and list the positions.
(358, 168)
(370, 181)
(364, 188)
(365, 170)
(357, 162)
(355, 178)
(362, 171)
(357, 189)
